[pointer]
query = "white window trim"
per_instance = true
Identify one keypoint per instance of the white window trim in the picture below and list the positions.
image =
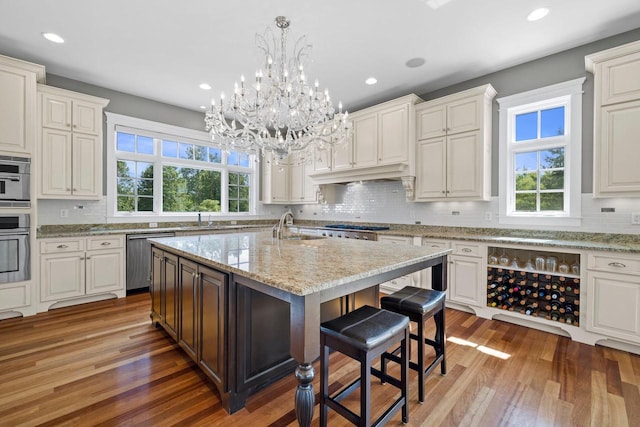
(136, 125)
(573, 168)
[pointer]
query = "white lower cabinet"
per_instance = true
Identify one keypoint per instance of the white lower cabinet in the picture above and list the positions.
(83, 266)
(400, 282)
(613, 285)
(467, 268)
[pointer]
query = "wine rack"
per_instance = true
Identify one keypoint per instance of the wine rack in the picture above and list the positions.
(550, 295)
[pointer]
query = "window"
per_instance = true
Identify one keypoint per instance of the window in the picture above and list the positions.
(160, 169)
(540, 155)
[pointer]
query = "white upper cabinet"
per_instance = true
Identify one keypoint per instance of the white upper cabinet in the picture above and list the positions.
(18, 101)
(382, 145)
(71, 145)
(454, 146)
(616, 121)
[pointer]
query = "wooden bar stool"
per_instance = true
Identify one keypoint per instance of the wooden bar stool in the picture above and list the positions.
(363, 335)
(419, 305)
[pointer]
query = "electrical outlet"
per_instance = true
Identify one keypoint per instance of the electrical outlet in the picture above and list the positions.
(635, 218)
(64, 213)
(153, 224)
(487, 216)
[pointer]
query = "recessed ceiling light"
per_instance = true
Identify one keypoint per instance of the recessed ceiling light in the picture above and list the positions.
(415, 62)
(53, 37)
(371, 81)
(203, 107)
(205, 86)
(538, 14)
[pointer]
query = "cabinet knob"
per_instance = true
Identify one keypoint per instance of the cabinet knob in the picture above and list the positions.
(75, 189)
(444, 130)
(88, 257)
(68, 189)
(443, 191)
(68, 125)
(448, 191)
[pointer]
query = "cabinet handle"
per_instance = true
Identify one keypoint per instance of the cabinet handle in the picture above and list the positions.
(68, 189)
(62, 246)
(617, 265)
(88, 257)
(75, 189)
(442, 191)
(444, 130)
(467, 250)
(105, 243)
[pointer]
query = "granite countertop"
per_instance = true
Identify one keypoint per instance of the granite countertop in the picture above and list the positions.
(559, 239)
(629, 243)
(300, 267)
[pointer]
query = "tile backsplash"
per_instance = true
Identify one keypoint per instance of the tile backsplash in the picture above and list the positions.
(383, 202)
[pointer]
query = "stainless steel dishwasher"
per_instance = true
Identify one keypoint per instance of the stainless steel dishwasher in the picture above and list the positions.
(139, 260)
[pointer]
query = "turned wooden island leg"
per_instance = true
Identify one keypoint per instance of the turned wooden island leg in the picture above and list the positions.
(305, 396)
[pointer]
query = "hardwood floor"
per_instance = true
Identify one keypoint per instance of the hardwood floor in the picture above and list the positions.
(105, 364)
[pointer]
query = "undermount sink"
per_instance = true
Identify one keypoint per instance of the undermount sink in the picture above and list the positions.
(302, 237)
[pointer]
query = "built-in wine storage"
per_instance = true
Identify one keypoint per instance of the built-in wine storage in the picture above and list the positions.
(541, 284)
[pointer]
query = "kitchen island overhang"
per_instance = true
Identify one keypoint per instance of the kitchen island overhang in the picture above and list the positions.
(251, 271)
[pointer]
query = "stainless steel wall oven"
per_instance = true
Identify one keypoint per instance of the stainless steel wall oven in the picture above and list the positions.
(15, 181)
(15, 251)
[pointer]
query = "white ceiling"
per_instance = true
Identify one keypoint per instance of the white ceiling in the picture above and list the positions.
(163, 49)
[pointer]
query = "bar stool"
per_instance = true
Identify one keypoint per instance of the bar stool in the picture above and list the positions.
(419, 305)
(363, 335)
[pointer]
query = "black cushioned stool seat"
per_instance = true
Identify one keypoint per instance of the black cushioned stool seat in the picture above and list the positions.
(364, 334)
(419, 305)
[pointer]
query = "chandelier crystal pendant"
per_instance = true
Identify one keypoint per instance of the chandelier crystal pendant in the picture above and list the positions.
(279, 112)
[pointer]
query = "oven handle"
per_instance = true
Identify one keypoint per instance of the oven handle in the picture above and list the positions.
(9, 178)
(10, 233)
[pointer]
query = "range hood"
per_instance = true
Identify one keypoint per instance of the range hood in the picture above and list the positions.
(393, 171)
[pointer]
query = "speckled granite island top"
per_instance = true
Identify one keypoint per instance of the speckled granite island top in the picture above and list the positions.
(300, 267)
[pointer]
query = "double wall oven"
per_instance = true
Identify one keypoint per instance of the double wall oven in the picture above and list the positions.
(15, 251)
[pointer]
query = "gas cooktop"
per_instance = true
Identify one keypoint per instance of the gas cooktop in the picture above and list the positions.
(355, 227)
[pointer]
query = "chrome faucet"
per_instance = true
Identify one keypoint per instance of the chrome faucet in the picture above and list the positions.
(199, 219)
(285, 219)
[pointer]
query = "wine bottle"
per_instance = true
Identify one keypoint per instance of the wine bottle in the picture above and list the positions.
(529, 310)
(555, 315)
(556, 295)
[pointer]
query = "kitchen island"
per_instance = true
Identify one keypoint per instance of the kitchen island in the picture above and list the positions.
(247, 307)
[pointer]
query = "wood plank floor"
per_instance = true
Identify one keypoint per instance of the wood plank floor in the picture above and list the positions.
(104, 364)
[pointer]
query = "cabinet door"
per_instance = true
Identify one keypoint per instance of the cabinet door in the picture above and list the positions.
(56, 163)
(343, 155)
(17, 109)
(212, 309)
(156, 291)
(62, 276)
(431, 169)
(297, 177)
(614, 305)
(464, 115)
(620, 81)
(432, 122)
(618, 151)
(56, 112)
(394, 138)
(464, 165)
(87, 166)
(275, 181)
(87, 117)
(171, 298)
(466, 280)
(322, 159)
(365, 141)
(105, 271)
(188, 327)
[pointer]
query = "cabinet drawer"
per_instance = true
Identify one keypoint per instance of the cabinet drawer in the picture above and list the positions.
(408, 240)
(61, 245)
(105, 242)
(615, 263)
(467, 249)
(435, 244)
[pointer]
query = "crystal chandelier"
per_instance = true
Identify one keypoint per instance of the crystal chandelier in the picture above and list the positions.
(279, 112)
